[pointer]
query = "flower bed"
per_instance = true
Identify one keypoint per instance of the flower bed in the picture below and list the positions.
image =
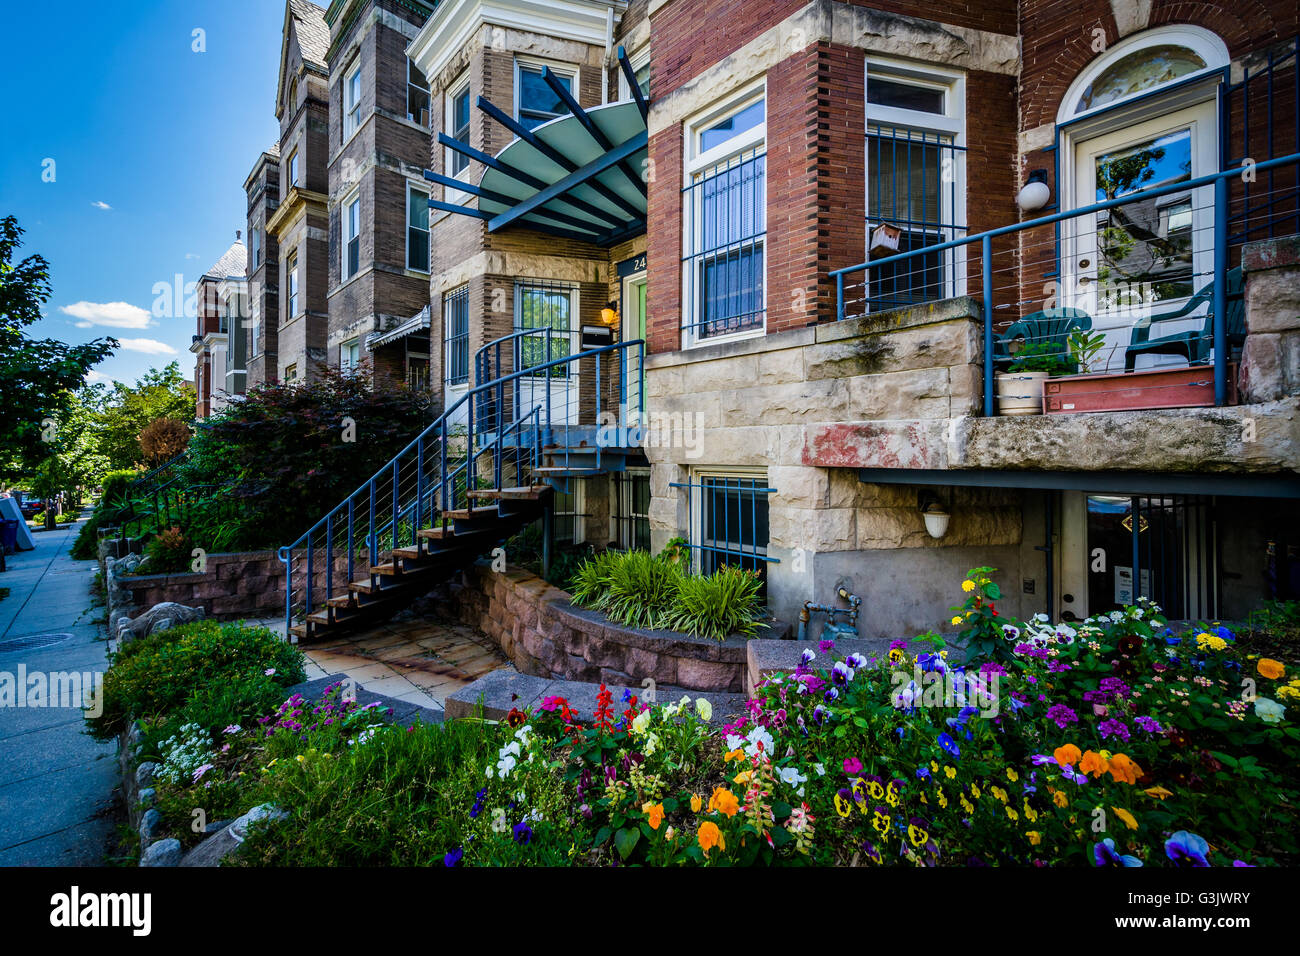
(1115, 742)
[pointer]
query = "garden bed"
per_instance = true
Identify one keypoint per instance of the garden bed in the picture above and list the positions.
(545, 635)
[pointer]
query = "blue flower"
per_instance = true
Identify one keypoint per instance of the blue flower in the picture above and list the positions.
(523, 832)
(1172, 641)
(831, 695)
(931, 662)
(453, 857)
(1185, 847)
(1105, 854)
(923, 773)
(949, 745)
(627, 695)
(1224, 633)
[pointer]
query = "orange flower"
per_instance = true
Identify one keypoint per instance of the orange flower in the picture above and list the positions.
(1093, 763)
(742, 778)
(724, 801)
(1123, 768)
(1060, 799)
(1158, 793)
(731, 755)
(1127, 817)
(1066, 754)
(710, 836)
(1273, 670)
(655, 811)
(696, 803)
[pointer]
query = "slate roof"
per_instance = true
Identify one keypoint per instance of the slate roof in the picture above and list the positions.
(232, 263)
(313, 32)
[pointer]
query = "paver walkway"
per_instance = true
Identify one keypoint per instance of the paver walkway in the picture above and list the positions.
(56, 783)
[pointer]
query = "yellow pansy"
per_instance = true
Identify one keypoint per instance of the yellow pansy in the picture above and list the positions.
(1127, 817)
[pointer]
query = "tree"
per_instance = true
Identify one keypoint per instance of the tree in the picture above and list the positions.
(128, 410)
(37, 376)
(163, 438)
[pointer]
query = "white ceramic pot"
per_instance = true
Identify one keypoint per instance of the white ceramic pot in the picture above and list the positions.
(1020, 393)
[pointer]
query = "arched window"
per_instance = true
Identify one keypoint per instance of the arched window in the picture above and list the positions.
(1142, 63)
(292, 102)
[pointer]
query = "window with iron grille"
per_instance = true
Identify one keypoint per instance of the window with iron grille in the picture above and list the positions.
(725, 213)
(455, 332)
(545, 305)
(915, 184)
(567, 513)
(630, 509)
(729, 520)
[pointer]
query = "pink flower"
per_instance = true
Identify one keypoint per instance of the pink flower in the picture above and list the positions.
(852, 766)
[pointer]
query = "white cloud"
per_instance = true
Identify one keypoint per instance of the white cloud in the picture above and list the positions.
(191, 255)
(100, 204)
(147, 346)
(97, 378)
(117, 315)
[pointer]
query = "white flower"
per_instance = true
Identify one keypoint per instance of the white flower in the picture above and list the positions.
(820, 768)
(757, 736)
(793, 777)
(651, 745)
(505, 765)
(1268, 710)
(641, 722)
(735, 741)
(704, 709)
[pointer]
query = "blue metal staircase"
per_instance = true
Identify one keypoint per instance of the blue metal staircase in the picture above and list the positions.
(482, 472)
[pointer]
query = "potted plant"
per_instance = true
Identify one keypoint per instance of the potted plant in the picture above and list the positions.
(1020, 387)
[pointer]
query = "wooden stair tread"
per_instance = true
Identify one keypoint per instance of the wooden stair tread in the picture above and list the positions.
(466, 514)
(527, 492)
(435, 533)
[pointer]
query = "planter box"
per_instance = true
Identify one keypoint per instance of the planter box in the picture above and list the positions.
(1186, 387)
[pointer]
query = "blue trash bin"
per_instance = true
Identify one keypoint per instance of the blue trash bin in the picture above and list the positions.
(8, 536)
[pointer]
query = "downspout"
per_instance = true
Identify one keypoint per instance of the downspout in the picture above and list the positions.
(609, 48)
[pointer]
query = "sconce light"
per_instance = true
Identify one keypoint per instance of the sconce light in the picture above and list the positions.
(934, 513)
(609, 314)
(1034, 194)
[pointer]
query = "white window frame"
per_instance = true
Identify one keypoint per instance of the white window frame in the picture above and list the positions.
(696, 162)
(951, 122)
(569, 70)
(350, 354)
(639, 60)
(456, 388)
(254, 318)
(351, 101)
(353, 199)
(450, 156)
(426, 90)
(291, 285)
(413, 187)
(697, 500)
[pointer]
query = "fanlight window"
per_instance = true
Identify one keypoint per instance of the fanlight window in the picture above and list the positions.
(1142, 70)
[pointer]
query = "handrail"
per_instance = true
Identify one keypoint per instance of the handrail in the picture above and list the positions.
(441, 420)
(1219, 181)
(419, 485)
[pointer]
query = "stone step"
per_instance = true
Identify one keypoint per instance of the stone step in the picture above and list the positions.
(503, 690)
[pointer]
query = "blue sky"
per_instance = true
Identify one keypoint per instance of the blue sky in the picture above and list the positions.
(136, 121)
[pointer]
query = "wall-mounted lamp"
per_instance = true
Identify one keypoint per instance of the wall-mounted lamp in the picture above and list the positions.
(1035, 193)
(609, 314)
(935, 514)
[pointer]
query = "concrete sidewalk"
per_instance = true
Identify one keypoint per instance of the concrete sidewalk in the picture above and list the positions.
(56, 783)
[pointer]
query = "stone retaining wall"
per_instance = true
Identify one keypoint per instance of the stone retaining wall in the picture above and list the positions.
(540, 630)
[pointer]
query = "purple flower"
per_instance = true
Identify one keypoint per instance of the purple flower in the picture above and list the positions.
(1105, 854)
(949, 745)
(1113, 728)
(825, 646)
(1149, 724)
(453, 857)
(523, 832)
(852, 766)
(807, 656)
(1062, 716)
(1187, 849)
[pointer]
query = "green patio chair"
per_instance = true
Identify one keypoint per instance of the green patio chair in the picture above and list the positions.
(1050, 325)
(1193, 346)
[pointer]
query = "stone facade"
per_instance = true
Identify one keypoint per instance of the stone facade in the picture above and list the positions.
(377, 164)
(263, 190)
(300, 225)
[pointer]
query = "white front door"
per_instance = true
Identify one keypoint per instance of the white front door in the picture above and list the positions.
(1145, 258)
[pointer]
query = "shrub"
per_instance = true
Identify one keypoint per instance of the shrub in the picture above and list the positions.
(639, 590)
(164, 672)
(168, 551)
(717, 605)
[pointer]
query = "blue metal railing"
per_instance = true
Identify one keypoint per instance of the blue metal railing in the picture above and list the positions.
(430, 477)
(1219, 182)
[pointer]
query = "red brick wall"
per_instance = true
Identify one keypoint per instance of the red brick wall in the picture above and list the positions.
(664, 242)
(841, 167)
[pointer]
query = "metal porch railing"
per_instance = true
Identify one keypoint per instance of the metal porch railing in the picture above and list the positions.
(430, 477)
(1182, 277)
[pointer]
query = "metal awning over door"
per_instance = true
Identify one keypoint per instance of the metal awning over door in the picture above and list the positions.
(580, 176)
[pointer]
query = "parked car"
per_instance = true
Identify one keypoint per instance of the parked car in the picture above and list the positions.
(31, 507)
